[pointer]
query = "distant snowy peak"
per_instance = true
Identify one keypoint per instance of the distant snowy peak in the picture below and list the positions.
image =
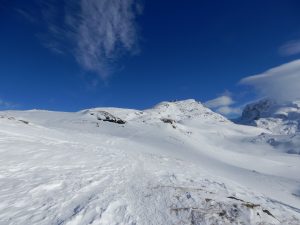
(257, 110)
(267, 108)
(280, 118)
(179, 107)
(186, 109)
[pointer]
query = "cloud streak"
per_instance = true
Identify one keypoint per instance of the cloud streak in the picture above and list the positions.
(223, 105)
(281, 83)
(219, 101)
(290, 48)
(102, 32)
(6, 105)
(229, 111)
(96, 32)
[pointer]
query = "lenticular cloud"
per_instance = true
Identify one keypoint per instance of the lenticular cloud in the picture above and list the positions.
(281, 83)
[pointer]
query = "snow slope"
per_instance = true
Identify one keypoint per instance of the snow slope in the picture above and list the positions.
(178, 163)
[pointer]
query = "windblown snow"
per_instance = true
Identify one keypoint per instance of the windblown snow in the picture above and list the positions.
(177, 163)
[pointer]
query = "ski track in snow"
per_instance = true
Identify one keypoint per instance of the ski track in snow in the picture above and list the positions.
(63, 169)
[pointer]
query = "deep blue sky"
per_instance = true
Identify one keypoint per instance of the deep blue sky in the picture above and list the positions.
(188, 49)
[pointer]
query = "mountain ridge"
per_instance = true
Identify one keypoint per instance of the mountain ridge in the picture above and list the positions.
(177, 163)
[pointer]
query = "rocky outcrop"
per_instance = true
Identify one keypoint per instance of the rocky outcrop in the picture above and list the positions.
(107, 117)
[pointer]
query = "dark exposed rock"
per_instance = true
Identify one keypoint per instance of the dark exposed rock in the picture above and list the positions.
(167, 120)
(105, 116)
(24, 121)
(268, 213)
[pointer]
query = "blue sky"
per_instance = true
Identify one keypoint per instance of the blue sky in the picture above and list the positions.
(135, 54)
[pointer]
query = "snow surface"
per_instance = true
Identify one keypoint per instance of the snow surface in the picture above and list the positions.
(178, 163)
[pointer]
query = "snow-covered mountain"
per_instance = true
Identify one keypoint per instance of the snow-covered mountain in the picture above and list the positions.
(176, 111)
(282, 120)
(177, 163)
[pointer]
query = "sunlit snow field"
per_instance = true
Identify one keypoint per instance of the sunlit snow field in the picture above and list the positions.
(178, 163)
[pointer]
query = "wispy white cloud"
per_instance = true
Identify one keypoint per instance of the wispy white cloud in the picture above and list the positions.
(223, 105)
(290, 48)
(6, 105)
(25, 14)
(281, 83)
(102, 31)
(96, 32)
(229, 111)
(219, 102)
